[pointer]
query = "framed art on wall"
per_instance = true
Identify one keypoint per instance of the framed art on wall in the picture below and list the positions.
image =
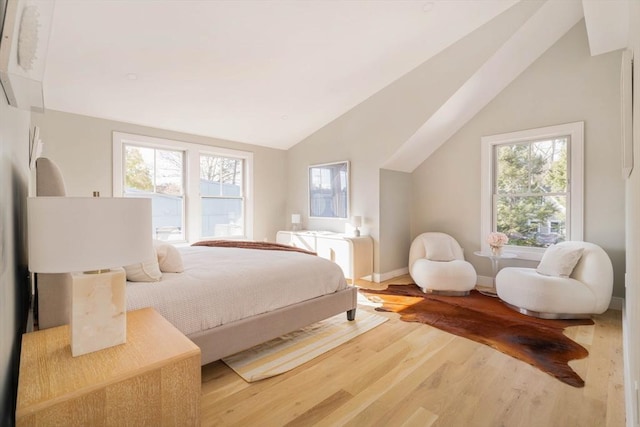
(329, 190)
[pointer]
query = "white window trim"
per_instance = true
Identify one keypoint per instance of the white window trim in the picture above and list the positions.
(192, 176)
(575, 231)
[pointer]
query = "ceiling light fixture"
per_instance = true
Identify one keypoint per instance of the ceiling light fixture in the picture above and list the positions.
(428, 6)
(132, 76)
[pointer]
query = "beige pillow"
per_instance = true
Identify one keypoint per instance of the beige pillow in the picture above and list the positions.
(438, 248)
(147, 271)
(559, 261)
(169, 258)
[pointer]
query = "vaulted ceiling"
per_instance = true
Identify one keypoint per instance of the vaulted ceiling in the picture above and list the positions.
(271, 73)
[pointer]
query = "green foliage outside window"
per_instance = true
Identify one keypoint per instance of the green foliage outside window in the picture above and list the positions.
(137, 173)
(531, 192)
(153, 170)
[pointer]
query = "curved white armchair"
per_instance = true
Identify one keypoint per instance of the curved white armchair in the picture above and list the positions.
(437, 265)
(587, 290)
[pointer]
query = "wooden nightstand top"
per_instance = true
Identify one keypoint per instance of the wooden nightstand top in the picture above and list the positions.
(50, 375)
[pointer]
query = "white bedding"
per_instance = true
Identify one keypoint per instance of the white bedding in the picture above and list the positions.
(222, 285)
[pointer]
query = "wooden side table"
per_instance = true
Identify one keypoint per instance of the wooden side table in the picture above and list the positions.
(152, 379)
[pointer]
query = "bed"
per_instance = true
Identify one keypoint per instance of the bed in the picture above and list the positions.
(227, 299)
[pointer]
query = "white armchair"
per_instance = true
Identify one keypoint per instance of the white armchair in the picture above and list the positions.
(437, 265)
(581, 292)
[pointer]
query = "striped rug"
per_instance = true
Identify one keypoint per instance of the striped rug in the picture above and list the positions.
(292, 350)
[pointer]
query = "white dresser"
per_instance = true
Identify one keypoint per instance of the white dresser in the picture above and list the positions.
(353, 254)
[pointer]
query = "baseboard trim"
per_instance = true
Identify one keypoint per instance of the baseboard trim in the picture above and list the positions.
(381, 277)
(630, 393)
(485, 281)
(616, 302)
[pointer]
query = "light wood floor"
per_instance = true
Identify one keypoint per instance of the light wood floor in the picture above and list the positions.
(408, 374)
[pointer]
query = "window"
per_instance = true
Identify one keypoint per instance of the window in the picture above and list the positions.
(532, 187)
(530, 191)
(222, 196)
(159, 175)
(198, 191)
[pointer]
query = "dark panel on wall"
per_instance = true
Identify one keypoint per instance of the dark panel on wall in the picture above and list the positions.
(14, 281)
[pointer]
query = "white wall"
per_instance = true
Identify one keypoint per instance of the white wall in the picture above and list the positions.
(369, 134)
(631, 312)
(396, 195)
(565, 85)
(14, 285)
(82, 147)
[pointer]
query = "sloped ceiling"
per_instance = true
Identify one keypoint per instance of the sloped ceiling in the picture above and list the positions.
(550, 22)
(607, 27)
(607, 24)
(271, 73)
(261, 72)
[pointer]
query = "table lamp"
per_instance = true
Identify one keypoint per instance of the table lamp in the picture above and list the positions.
(91, 238)
(295, 222)
(356, 221)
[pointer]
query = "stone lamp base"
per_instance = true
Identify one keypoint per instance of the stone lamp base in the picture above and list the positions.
(98, 311)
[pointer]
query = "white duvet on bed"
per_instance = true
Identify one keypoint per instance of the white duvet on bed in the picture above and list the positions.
(222, 285)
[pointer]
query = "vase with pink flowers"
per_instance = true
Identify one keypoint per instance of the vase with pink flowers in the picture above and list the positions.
(496, 241)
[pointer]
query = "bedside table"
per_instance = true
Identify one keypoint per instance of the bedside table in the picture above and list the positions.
(152, 379)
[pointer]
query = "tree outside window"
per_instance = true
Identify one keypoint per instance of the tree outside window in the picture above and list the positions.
(159, 175)
(531, 191)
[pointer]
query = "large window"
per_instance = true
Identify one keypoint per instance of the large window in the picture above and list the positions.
(222, 195)
(197, 191)
(532, 187)
(159, 175)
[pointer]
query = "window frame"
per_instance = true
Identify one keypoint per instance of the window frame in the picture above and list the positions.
(575, 190)
(192, 196)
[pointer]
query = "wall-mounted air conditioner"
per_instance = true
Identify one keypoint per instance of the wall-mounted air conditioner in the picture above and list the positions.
(23, 51)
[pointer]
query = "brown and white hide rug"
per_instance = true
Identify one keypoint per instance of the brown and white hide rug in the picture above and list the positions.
(538, 342)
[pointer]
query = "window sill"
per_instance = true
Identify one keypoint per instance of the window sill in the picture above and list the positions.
(525, 253)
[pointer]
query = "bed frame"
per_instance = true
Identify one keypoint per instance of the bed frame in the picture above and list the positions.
(52, 305)
(231, 338)
(54, 308)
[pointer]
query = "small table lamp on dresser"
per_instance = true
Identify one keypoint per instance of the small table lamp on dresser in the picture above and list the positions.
(92, 238)
(356, 221)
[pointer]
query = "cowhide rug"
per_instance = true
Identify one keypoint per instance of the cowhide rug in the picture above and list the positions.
(487, 320)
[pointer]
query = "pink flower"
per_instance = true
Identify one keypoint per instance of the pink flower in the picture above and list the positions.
(497, 239)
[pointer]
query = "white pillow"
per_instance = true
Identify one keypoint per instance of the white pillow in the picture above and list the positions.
(559, 261)
(169, 258)
(438, 248)
(147, 271)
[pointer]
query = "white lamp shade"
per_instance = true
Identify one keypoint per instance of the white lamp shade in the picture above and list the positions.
(69, 234)
(356, 221)
(295, 219)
